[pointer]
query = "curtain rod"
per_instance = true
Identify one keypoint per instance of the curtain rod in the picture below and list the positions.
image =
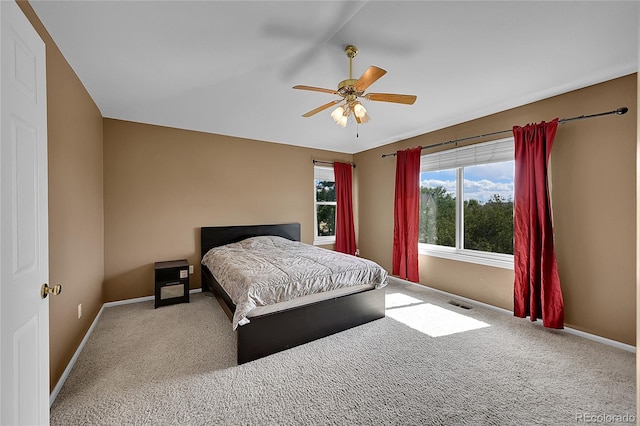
(331, 162)
(619, 111)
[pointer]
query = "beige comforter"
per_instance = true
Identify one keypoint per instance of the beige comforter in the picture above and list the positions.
(261, 271)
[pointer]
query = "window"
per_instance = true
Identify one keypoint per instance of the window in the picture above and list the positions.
(466, 204)
(325, 205)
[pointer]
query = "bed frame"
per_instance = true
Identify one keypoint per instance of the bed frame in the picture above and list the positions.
(267, 334)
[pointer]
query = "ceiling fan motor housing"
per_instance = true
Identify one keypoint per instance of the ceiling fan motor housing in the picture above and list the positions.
(347, 87)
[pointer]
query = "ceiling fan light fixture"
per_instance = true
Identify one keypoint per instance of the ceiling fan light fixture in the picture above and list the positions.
(359, 110)
(337, 113)
(342, 121)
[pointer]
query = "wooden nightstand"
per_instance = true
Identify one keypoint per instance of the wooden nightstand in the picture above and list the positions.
(171, 282)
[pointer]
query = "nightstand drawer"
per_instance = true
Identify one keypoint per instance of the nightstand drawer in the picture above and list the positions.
(170, 290)
(171, 282)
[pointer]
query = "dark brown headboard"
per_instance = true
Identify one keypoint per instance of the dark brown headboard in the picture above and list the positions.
(215, 236)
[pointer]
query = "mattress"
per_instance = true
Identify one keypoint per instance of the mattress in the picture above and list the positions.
(307, 300)
(275, 272)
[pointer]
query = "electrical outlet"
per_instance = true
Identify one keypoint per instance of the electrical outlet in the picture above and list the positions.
(191, 269)
(79, 310)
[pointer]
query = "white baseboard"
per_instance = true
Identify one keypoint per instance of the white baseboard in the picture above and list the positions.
(142, 299)
(74, 358)
(569, 330)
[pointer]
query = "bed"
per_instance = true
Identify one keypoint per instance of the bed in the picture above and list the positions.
(273, 328)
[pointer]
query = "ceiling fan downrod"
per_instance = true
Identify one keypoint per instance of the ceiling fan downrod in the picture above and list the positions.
(351, 52)
(346, 86)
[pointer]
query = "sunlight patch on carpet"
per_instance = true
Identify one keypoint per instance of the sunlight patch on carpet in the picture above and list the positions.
(429, 319)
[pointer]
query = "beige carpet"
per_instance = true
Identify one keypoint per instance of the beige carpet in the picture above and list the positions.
(427, 362)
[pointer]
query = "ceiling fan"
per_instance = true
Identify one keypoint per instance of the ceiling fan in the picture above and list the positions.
(351, 91)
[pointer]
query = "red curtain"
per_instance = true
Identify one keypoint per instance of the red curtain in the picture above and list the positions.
(537, 291)
(406, 212)
(345, 233)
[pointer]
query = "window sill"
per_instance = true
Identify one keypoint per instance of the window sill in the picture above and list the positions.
(496, 260)
(324, 241)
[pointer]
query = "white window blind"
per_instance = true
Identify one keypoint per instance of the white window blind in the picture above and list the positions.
(323, 173)
(482, 153)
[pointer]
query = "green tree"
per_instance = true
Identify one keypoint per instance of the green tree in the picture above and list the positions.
(487, 226)
(326, 214)
(325, 190)
(437, 217)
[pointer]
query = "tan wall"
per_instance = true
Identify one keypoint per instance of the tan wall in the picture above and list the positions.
(594, 201)
(162, 184)
(76, 237)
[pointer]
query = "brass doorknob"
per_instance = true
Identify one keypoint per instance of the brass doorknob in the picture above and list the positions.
(46, 290)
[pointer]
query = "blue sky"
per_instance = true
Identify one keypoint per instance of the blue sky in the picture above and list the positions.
(481, 182)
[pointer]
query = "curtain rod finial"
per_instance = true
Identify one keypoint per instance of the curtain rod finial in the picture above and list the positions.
(622, 110)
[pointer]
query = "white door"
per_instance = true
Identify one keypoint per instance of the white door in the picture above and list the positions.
(24, 254)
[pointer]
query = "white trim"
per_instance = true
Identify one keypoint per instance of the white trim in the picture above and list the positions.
(601, 339)
(142, 299)
(74, 358)
(497, 260)
(324, 241)
(129, 301)
(589, 336)
(459, 207)
(322, 173)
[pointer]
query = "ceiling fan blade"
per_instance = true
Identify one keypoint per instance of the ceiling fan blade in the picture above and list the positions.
(321, 108)
(368, 78)
(316, 89)
(391, 97)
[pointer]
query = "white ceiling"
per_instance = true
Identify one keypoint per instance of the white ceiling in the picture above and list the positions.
(228, 67)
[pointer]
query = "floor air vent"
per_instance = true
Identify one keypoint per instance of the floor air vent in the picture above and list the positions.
(459, 305)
